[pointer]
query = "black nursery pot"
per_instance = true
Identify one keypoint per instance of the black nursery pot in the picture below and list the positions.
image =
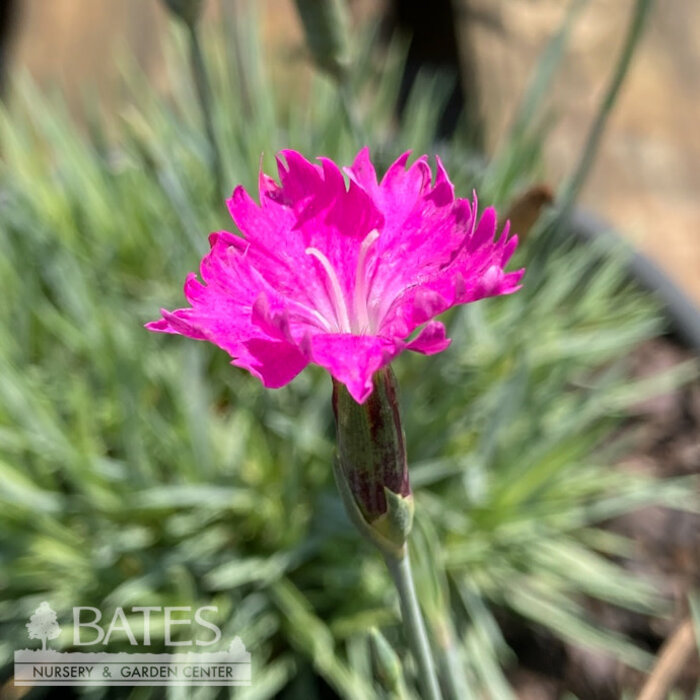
(682, 313)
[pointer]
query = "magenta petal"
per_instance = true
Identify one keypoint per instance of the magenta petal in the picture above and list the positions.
(274, 362)
(430, 340)
(427, 303)
(485, 230)
(508, 248)
(511, 281)
(181, 321)
(299, 178)
(362, 171)
(274, 323)
(353, 359)
(443, 193)
(159, 326)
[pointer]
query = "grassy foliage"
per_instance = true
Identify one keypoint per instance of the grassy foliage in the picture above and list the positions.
(143, 470)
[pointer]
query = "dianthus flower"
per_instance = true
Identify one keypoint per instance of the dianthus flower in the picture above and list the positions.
(346, 275)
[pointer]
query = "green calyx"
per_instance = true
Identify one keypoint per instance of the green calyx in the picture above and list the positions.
(389, 532)
(371, 468)
(395, 525)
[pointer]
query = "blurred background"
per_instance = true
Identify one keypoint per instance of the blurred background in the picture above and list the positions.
(646, 178)
(554, 448)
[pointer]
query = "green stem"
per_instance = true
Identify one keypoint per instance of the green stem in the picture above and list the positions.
(201, 82)
(590, 148)
(452, 672)
(558, 219)
(347, 106)
(400, 570)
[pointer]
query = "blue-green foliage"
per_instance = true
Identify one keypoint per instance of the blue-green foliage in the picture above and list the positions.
(138, 469)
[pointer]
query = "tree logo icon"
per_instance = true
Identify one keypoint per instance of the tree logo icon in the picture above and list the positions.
(43, 625)
(237, 649)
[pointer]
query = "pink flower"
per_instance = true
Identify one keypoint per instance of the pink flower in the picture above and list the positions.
(342, 274)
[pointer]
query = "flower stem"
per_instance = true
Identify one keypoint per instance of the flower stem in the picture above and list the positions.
(566, 199)
(635, 32)
(372, 477)
(201, 83)
(347, 107)
(400, 569)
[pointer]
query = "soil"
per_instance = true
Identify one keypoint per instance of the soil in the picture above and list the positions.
(666, 435)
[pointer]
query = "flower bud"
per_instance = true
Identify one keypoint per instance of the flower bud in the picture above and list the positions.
(326, 29)
(387, 663)
(372, 473)
(188, 11)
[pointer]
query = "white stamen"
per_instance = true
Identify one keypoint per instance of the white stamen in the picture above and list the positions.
(314, 317)
(335, 293)
(360, 296)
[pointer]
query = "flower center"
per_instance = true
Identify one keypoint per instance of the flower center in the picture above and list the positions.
(353, 317)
